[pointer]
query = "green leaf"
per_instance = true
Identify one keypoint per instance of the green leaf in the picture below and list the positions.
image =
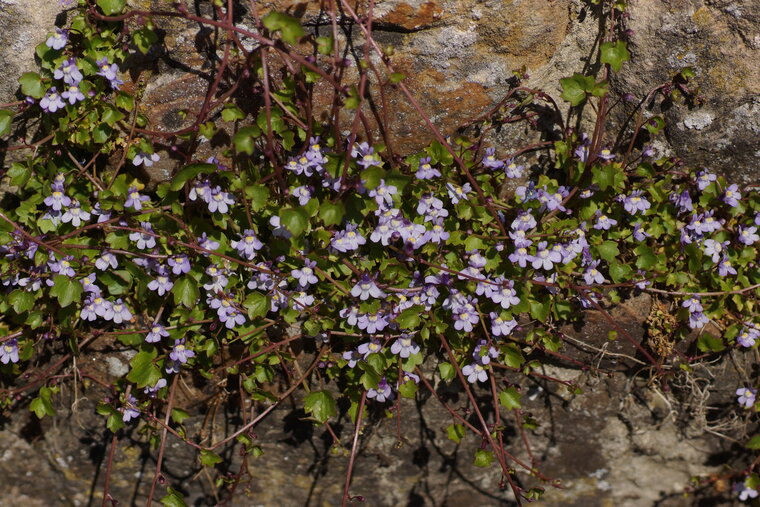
(483, 458)
(143, 371)
(111, 7)
(244, 139)
(231, 113)
(455, 432)
(101, 133)
(179, 415)
(209, 459)
(6, 118)
(325, 45)
(66, 290)
(513, 356)
(289, 27)
(408, 389)
(294, 220)
(396, 77)
(574, 88)
(754, 443)
(321, 405)
(540, 310)
(189, 172)
(332, 213)
(615, 53)
(144, 39)
(645, 257)
(608, 250)
(509, 398)
(708, 343)
(21, 300)
(410, 318)
(186, 291)
(257, 305)
(620, 272)
(19, 174)
(111, 116)
(31, 85)
(446, 370)
(172, 499)
(258, 195)
(41, 405)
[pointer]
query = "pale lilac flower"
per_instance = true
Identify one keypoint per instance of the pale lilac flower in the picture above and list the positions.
(370, 347)
(475, 372)
(545, 257)
(592, 275)
(503, 293)
(747, 396)
(248, 244)
(180, 352)
(57, 199)
(490, 161)
(128, 410)
(103, 308)
(88, 310)
(464, 318)
(351, 314)
(157, 331)
(120, 312)
(106, 69)
(524, 222)
(697, 320)
(302, 193)
(161, 284)
(747, 337)
(383, 194)
(145, 240)
(725, 268)
(704, 179)
(302, 301)
(365, 155)
(483, 352)
(88, 284)
(714, 249)
(146, 159)
(306, 275)
(520, 256)
(745, 492)
(63, 266)
(373, 322)
(639, 234)
(69, 72)
(366, 288)
(635, 203)
(153, 391)
(347, 240)
(73, 94)
(9, 352)
(220, 201)
(58, 39)
(135, 199)
(748, 235)
(180, 264)
(425, 171)
(382, 393)
(682, 201)
(606, 154)
(603, 222)
(693, 304)
(500, 326)
(75, 215)
(404, 346)
(409, 377)
(201, 190)
(105, 260)
(352, 357)
(52, 101)
(513, 170)
(457, 193)
(207, 244)
(732, 196)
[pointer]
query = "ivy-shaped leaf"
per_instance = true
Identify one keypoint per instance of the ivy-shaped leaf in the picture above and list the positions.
(615, 53)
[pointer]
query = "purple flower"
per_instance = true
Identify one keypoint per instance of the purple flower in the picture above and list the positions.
(697, 320)
(57, 199)
(128, 410)
(606, 154)
(457, 193)
(524, 222)
(545, 257)
(201, 190)
(69, 72)
(405, 346)
(748, 337)
(135, 199)
(207, 244)
(693, 304)
(745, 492)
(682, 201)
(704, 179)
(383, 194)
(248, 244)
(180, 264)
(88, 310)
(639, 234)
(353, 357)
(503, 293)
(305, 276)
(302, 301)
(73, 94)
(120, 312)
(145, 240)
(513, 170)
(370, 347)
(9, 352)
(162, 284)
(483, 352)
(592, 275)
(464, 317)
(372, 322)
(52, 101)
(475, 372)
(714, 249)
(520, 257)
(351, 314)
(347, 240)
(157, 331)
(409, 377)
(731, 196)
(58, 39)
(603, 222)
(490, 161)
(106, 259)
(748, 235)
(382, 393)
(75, 215)
(180, 352)
(62, 267)
(634, 203)
(88, 284)
(500, 326)
(103, 308)
(425, 171)
(747, 396)
(145, 159)
(303, 193)
(365, 154)
(366, 288)
(220, 201)
(725, 268)
(106, 69)
(152, 391)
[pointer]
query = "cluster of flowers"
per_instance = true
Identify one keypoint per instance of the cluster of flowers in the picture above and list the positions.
(72, 76)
